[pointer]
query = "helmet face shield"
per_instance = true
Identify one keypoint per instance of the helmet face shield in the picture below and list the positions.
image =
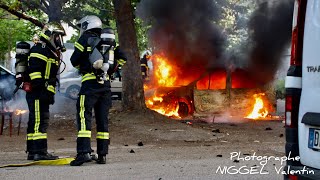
(58, 42)
(52, 33)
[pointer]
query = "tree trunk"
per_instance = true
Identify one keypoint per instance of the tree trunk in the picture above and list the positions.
(133, 94)
(55, 11)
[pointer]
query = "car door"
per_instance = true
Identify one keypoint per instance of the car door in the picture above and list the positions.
(309, 113)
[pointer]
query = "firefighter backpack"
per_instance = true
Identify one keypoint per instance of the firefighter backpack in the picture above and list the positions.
(21, 65)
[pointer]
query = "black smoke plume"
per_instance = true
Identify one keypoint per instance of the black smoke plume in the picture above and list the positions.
(270, 31)
(185, 31)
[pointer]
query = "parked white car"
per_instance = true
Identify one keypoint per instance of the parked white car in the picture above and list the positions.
(70, 84)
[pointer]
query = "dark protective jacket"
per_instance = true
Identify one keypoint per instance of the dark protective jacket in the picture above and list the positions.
(80, 60)
(144, 66)
(80, 56)
(43, 68)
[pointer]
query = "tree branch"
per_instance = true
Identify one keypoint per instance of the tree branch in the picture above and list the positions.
(22, 16)
(43, 7)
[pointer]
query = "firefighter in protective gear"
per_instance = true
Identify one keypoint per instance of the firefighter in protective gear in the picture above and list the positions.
(43, 66)
(144, 66)
(93, 94)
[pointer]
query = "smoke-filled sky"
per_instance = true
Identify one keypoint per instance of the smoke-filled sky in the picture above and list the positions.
(186, 31)
(270, 32)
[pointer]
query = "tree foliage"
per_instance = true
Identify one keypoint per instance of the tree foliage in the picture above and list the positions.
(61, 10)
(12, 30)
(235, 16)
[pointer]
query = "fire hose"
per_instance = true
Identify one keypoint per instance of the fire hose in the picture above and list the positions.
(58, 162)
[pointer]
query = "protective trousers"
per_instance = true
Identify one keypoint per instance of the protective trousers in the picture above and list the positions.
(100, 102)
(37, 124)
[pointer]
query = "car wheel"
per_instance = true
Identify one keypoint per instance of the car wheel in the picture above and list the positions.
(73, 91)
(118, 94)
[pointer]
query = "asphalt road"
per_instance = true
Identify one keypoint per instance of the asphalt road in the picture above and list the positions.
(149, 162)
(171, 150)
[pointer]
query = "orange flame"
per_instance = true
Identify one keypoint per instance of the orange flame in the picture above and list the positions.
(19, 111)
(150, 102)
(170, 110)
(170, 113)
(259, 111)
(168, 74)
(164, 72)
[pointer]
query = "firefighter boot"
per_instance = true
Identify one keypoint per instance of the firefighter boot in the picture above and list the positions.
(101, 159)
(44, 156)
(80, 159)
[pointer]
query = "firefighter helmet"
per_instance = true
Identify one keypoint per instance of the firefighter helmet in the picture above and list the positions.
(89, 22)
(147, 54)
(52, 34)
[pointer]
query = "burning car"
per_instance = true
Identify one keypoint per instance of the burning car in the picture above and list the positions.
(212, 92)
(171, 101)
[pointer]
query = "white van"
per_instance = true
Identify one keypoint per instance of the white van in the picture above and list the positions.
(303, 93)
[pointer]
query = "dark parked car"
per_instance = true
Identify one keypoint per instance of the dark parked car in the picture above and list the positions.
(7, 84)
